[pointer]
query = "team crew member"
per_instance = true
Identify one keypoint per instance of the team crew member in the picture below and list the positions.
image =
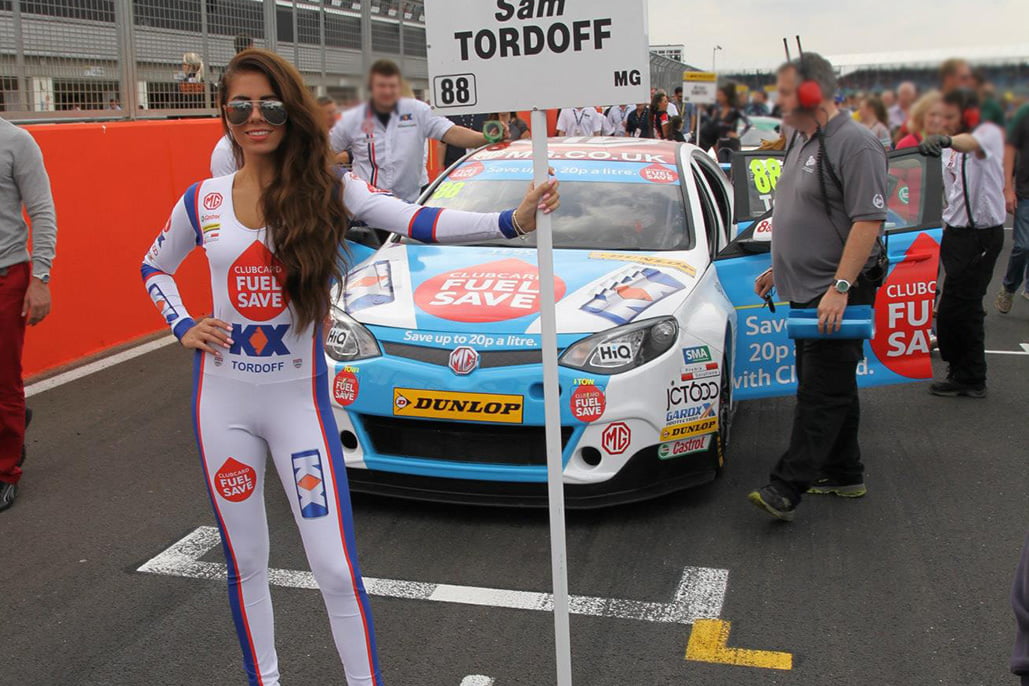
(579, 121)
(386, 137)
(829, 208)
(1016, 201)
(973, 235)
(617, 117)
(24, 284)
(272, 233)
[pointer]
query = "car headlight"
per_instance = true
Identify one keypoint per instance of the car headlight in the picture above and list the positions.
(346, 340)
(623, 348)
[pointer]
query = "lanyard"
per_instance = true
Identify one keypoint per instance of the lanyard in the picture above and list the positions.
(578, 121)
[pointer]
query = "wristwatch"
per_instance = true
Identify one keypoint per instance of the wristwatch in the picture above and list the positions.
(45, 278)
(841, 285)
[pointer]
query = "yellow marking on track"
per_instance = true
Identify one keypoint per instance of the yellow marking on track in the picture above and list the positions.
(709, 643)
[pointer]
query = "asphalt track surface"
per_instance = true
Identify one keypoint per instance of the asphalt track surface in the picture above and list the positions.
(908, 586)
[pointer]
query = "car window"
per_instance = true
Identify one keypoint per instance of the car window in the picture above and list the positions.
(712, 222)
(604, 205)
(716, 182)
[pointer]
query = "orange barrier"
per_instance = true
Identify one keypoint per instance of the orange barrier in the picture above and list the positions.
(114, 187)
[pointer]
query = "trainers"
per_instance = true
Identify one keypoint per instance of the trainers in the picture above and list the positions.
(1003, 301)
(7, 493)
(952, 389)
(829, 486)
(773, 502)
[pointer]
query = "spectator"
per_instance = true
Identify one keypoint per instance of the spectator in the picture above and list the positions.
(989, 108)
(659, 115)
(686, 110)
(900, 112)
(889, 99)
(873, 116)
(331, 111)
(758, 106)
(1020, 604)
(675, 129)
(724, 120)
(955, 73)
(973, 234)
(1016, 201)
(474, 122)
(617, 117)
(113, 105)
(24, 284)
(828, 215)
(673, 107)
(579, 121)
(926, 119)
(514, 128)
(386, 137)
(637, 124)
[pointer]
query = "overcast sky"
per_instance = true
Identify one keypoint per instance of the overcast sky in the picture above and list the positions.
(750, 31)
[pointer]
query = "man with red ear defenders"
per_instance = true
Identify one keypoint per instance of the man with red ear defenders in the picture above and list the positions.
(973, 235)
(830, 204)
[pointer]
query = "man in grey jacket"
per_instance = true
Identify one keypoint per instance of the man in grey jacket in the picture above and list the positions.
(24, 284)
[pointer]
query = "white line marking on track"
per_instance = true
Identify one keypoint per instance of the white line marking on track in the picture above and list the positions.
(476, 680)
(99, 365)
(1023, 351)
(699, 594)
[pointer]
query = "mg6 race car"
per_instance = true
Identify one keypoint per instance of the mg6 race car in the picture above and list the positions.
(435, 350)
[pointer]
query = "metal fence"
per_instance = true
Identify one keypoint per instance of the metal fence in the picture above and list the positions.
(129, 59)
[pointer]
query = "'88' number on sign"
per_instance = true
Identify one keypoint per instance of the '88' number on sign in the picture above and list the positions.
(454, 90)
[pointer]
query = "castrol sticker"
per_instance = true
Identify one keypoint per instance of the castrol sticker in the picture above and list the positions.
(904, 310)
(235, 481)
(588, 403)
(658, 173)
(491, 292)
(345, 387)
(255, 284)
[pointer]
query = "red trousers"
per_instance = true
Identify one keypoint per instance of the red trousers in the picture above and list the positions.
(13, 285)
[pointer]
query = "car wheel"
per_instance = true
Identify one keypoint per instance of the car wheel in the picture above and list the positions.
(725, 416)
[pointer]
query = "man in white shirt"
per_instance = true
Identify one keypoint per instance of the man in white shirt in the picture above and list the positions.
(386, 136)
(973, 235)
(615, 119)
(580, 121)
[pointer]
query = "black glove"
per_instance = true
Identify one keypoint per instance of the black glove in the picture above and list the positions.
(933, 145)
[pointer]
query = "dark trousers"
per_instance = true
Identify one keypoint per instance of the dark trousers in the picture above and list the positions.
(968, 257)
(14, 281)
(824, 440)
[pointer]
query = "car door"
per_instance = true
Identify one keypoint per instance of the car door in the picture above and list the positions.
(899, 352)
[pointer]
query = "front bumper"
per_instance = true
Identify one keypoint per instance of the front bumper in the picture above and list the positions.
(644, 477)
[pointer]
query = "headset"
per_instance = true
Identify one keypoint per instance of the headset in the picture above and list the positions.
(809, 93)
(971, 116)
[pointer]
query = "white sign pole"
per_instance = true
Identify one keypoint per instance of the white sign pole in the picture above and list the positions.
(552, 406)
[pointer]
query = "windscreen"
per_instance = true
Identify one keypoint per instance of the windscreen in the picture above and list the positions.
(604, 205)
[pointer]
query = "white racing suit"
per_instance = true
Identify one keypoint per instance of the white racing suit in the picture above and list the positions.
(268, 393)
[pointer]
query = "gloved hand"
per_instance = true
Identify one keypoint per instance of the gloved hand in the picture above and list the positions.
(933, 145)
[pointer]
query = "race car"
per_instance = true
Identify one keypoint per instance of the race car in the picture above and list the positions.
(435, 350)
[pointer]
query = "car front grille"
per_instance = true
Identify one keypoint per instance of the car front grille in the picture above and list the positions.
(441, 356)
(459, 442)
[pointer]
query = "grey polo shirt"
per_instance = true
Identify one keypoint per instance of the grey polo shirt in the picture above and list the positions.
(807, 244)
(24, 182)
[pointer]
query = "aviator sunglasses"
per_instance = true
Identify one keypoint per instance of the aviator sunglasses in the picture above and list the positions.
(272, 111)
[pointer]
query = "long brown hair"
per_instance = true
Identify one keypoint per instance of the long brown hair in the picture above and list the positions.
(303, 205)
